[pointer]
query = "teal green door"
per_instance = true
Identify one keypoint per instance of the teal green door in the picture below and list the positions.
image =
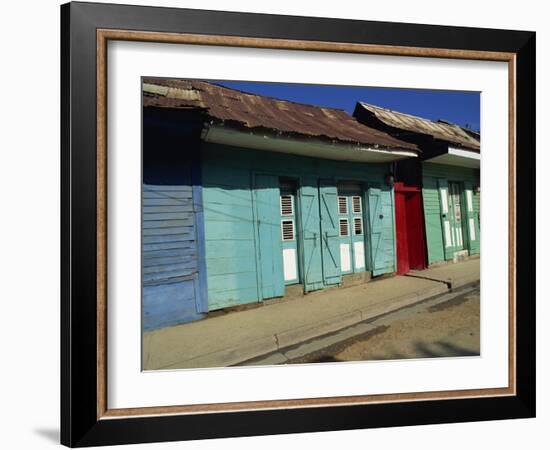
(310, 234)
(270, 264)
(381, 231)
(450, 201)
(289, 236)
(455, 196)
(329, 232)
(351, 230)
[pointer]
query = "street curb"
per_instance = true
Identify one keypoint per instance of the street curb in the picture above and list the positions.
(275, 343)
(258, 348)
(288, 354)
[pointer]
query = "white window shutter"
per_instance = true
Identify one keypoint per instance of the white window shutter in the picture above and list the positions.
(342, 205)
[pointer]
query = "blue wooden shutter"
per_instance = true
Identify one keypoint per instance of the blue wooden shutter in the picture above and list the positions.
(310, 234)
(329, 232)
(381, 231)
(266, 190)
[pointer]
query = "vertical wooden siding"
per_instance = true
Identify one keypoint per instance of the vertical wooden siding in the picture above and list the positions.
(230, 231)
(432, 214)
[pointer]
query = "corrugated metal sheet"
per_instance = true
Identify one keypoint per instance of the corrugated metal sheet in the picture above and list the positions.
(441, 130)
(250, 111)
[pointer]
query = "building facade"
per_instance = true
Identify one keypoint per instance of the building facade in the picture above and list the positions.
(246, 198)
(447, 176)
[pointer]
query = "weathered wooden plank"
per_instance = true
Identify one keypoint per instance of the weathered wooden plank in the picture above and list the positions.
(180, 208)
(216, 195)
(150, 224)
(243, 248)
(243, 296)
(176, 195)
(166, 231)
(166, 276)
(167, 215)
(231, 281)
(176, 279)
(228, 230)
(232, 264)
(165, 201)
(169, 252)
(229, 213)
(181, 267)
(166, 187)
(170, 260)
(169, 304)
(166, 245)
(184, 238)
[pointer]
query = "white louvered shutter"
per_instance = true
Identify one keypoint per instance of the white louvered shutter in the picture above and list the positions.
(342, 205)
(344, 227)
(287, 230)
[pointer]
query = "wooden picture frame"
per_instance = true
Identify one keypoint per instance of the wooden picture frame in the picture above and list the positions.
(85, 417)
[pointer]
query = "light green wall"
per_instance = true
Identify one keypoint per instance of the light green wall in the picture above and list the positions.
(230, 232)
(432, 214)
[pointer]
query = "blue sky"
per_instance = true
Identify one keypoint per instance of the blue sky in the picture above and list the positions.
(458, 107)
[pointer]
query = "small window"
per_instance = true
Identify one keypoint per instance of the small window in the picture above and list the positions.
(287, 230)
(342, 205)
(287, 205)
(356, 204)
(357, 225)
(344, 228)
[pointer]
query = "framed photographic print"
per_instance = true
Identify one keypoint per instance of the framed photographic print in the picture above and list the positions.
(276, 224)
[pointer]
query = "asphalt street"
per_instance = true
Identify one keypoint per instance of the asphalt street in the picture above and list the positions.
(447, 328)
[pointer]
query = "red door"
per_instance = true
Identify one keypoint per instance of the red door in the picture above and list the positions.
(409, 229)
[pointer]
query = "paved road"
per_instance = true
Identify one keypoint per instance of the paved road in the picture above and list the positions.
(433, 329)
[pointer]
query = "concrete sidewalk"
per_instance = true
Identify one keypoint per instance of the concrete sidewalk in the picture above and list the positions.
(239, 336)
(455, 275)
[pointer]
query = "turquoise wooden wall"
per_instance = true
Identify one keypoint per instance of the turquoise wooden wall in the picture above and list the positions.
(432, 213)
(234, 270)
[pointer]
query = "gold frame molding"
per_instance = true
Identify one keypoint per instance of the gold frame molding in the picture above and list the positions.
(105, 35)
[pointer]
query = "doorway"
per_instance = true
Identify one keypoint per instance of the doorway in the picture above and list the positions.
(409, 228)
(351, 227)
(289, 242)
(455, 204)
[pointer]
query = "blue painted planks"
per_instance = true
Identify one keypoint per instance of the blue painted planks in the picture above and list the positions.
(170, 263)
(168, 304)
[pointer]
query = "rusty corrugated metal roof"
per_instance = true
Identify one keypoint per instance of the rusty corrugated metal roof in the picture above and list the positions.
(251, 111)
(442, 130)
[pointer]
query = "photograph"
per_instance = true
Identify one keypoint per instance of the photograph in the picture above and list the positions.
(287, 223)
(272, 222)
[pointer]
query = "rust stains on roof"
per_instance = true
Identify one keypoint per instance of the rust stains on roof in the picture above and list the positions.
(256, 112)
(406, 124)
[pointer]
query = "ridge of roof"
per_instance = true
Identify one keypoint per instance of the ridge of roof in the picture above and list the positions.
(441, 129)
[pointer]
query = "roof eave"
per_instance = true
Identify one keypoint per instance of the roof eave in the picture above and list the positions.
(304, 146)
